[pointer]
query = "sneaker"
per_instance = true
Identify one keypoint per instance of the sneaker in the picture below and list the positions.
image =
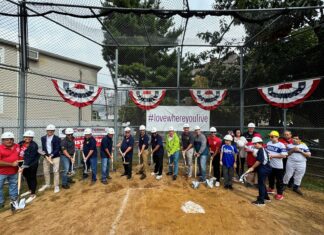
(298, 191)
(43, 188)
(174, 177)
(279, 197)
(230, 187)
(13, 206)
(271, 191)
(258, 203)
(56, 189)
(153, 173)
(25, 194)
(158, 177)
(143, 176)
(104, 182)
(31, 198)
(267, 199)
(169, 173)
(217, 184)
(65, 186)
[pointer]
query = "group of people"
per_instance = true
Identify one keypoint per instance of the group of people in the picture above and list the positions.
(282, 160)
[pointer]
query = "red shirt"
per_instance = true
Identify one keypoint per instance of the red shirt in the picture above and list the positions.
(9, 155)
(22, 152)
(286, 142)
(214, 143)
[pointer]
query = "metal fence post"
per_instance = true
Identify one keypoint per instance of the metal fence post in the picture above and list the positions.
(115, 105)
(178, 74)
(241, 91)
(23, 51)
(284, 119)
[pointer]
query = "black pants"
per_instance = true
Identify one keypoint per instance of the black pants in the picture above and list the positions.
(240, 165)
(263, 173)
(158, 160)
(276, 176)
(215, 163)
(128, 166)
(30, 174)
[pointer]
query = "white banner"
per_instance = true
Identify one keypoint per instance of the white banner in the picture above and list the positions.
(162, 117)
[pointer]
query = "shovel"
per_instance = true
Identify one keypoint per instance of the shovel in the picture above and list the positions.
(22, 203)
(41, 152)
(184, 157)
(112, 162)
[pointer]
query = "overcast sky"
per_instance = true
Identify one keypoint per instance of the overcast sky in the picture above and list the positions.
(48, 36)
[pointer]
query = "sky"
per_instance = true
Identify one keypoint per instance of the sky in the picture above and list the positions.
(48, 36)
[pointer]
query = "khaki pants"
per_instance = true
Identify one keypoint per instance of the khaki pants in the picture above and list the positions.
(47, 170)
(144, 163)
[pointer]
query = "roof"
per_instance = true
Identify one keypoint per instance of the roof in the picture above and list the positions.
(96, 67)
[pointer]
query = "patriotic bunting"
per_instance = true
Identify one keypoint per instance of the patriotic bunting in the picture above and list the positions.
(77, 94)
(289, 94)
(208, 99)
(147, 99)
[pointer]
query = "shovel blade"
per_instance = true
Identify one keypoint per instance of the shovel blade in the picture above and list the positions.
(21, 204)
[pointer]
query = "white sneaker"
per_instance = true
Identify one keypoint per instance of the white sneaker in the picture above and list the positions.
(217, 184)
(158, 177)
(56, 189)
(43, 188)
(153, 173)
(25, 194)
(30, 199)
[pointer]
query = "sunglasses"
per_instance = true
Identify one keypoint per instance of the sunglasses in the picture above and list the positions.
(212, 132)
(272, 136)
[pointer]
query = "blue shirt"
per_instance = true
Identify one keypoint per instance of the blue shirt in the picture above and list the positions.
(106, 143)
(264, 159)
(127, 142)
(90, 144)
(229, 152)
(157, 140)
(143, 140)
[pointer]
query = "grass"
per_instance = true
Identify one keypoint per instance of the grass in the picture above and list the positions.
(313, 184)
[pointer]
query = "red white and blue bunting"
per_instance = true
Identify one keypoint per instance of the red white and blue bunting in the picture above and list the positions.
(208, 99)
(77, 94)
(289, 94)
(147, 99)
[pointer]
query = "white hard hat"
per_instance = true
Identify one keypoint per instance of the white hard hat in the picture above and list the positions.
(50, 127)
(256, 140)
(251, 124)
(7, 135)
(111, 131)
(87, 131)
(228, 137)
(29, 133)
(154, 130)
(212, 129)
(171, 128)
(127, 129)
(186, 125)
(142, 128)
(197, 127)
(69, 131)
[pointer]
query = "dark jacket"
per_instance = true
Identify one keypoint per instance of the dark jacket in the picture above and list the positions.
(56, 146)
(31, 155)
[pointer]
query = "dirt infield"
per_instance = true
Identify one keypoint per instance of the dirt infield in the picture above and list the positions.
(153, 207)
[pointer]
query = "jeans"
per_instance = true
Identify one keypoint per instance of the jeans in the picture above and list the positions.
(173, 159)
(93, 164)
(66, 168)
(105, 166)
(228, 173)
(202, 167)
(13, 187)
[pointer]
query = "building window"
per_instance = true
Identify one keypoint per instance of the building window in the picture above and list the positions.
(98, 113)
(2, 55)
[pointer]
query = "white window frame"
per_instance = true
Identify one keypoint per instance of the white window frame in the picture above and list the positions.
(2, 55)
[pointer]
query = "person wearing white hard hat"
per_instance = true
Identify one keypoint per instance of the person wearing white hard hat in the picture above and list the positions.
(9, 155)
(143, 153)
(126, 150)
(172, 147)
(240, 142)
(68, 156)
(90, 154)
(157, 152)
(215, 143)
(262, 166)
(30, 156)
(228, 161)
(106, 153)
(201, 152)
(187, 141)
(51, 145)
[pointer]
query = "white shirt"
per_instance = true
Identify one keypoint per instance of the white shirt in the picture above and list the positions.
(298, 157)
(241, 150)
(49, 144)
(276, 149)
